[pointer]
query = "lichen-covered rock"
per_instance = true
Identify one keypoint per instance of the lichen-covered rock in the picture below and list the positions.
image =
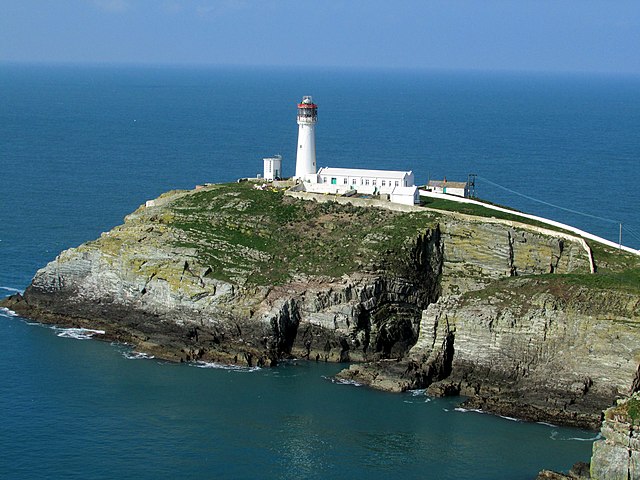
(478, 252)
(579, 471)
(617, 454)
(532, 348)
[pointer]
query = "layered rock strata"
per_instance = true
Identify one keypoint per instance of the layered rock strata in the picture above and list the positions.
(617, 454)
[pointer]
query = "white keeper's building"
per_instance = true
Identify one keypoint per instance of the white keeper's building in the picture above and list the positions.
(398, 185)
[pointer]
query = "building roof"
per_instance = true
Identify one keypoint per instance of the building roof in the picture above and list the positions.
(360, 172)
(404, 190)
(445, 183)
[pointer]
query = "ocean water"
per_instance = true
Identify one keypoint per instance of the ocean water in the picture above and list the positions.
(80, 147)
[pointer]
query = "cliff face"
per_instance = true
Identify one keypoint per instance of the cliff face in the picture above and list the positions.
(426, 298)
(235, 274)
(539, 348)
(617, 454)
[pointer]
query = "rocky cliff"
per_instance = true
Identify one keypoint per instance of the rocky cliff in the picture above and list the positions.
(494, 309)
(617, 454)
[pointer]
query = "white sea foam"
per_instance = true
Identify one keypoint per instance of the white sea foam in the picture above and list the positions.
(420, 392)
(11, 289)
(511, 419)
(590, 439)
(417, 392)
(554, 436)
(342, 381)
(477, 410)
(7, 313)
(547, 424)
(426, 400)
(222, 366)
(78, 333)
(137, 355)
(465, 410)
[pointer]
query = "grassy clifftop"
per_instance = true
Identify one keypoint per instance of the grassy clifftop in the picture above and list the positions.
(264, 237)
(246, 236)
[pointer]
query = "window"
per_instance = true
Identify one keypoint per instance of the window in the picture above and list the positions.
(397, 183)
(353, 181)
(346, 180)
(300, 145)
(334, 180)
(324, 179)
(373, 182)
(384, 183)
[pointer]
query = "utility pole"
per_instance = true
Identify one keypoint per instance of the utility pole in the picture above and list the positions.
(620, 237)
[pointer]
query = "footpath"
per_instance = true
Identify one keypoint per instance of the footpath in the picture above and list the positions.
(564, 226)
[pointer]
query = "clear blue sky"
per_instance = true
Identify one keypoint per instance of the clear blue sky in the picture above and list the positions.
(542, 35)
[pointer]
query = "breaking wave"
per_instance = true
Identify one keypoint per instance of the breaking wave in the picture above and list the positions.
(222, 366)
(7, 313)
(341, 381)
(590, 439)
(78, 333)
(465, 410)
(547, 424)
(11, 289)
(511, 419)
(137, 355)
(417, 392)
(477, 410)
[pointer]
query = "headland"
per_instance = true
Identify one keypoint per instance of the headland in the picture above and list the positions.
(506, 313)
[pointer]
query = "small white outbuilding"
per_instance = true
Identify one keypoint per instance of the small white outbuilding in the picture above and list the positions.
(405, 195)
(272, 167)
(460, 189)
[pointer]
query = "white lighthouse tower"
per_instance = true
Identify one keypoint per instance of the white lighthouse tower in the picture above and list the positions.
(306, 157)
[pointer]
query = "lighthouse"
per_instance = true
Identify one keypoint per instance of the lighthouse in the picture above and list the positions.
(306, 156)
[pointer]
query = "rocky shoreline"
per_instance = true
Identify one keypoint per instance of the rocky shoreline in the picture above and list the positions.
(503, 313)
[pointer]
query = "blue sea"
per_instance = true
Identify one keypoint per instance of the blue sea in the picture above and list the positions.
(81, 147)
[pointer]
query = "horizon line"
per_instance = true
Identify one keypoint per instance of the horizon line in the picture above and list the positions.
(381, 68)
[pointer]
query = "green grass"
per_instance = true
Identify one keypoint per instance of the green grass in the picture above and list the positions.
(265, 237)
(611, 260)
(626, 280)
(633, 409)
(516, 291)
(628, 410)
(480, 211)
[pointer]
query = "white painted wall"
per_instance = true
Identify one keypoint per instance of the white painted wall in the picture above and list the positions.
(306, 152)
(564, 226)
(368, 182)
(272, 167)
(460, 192)
(405, 195)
